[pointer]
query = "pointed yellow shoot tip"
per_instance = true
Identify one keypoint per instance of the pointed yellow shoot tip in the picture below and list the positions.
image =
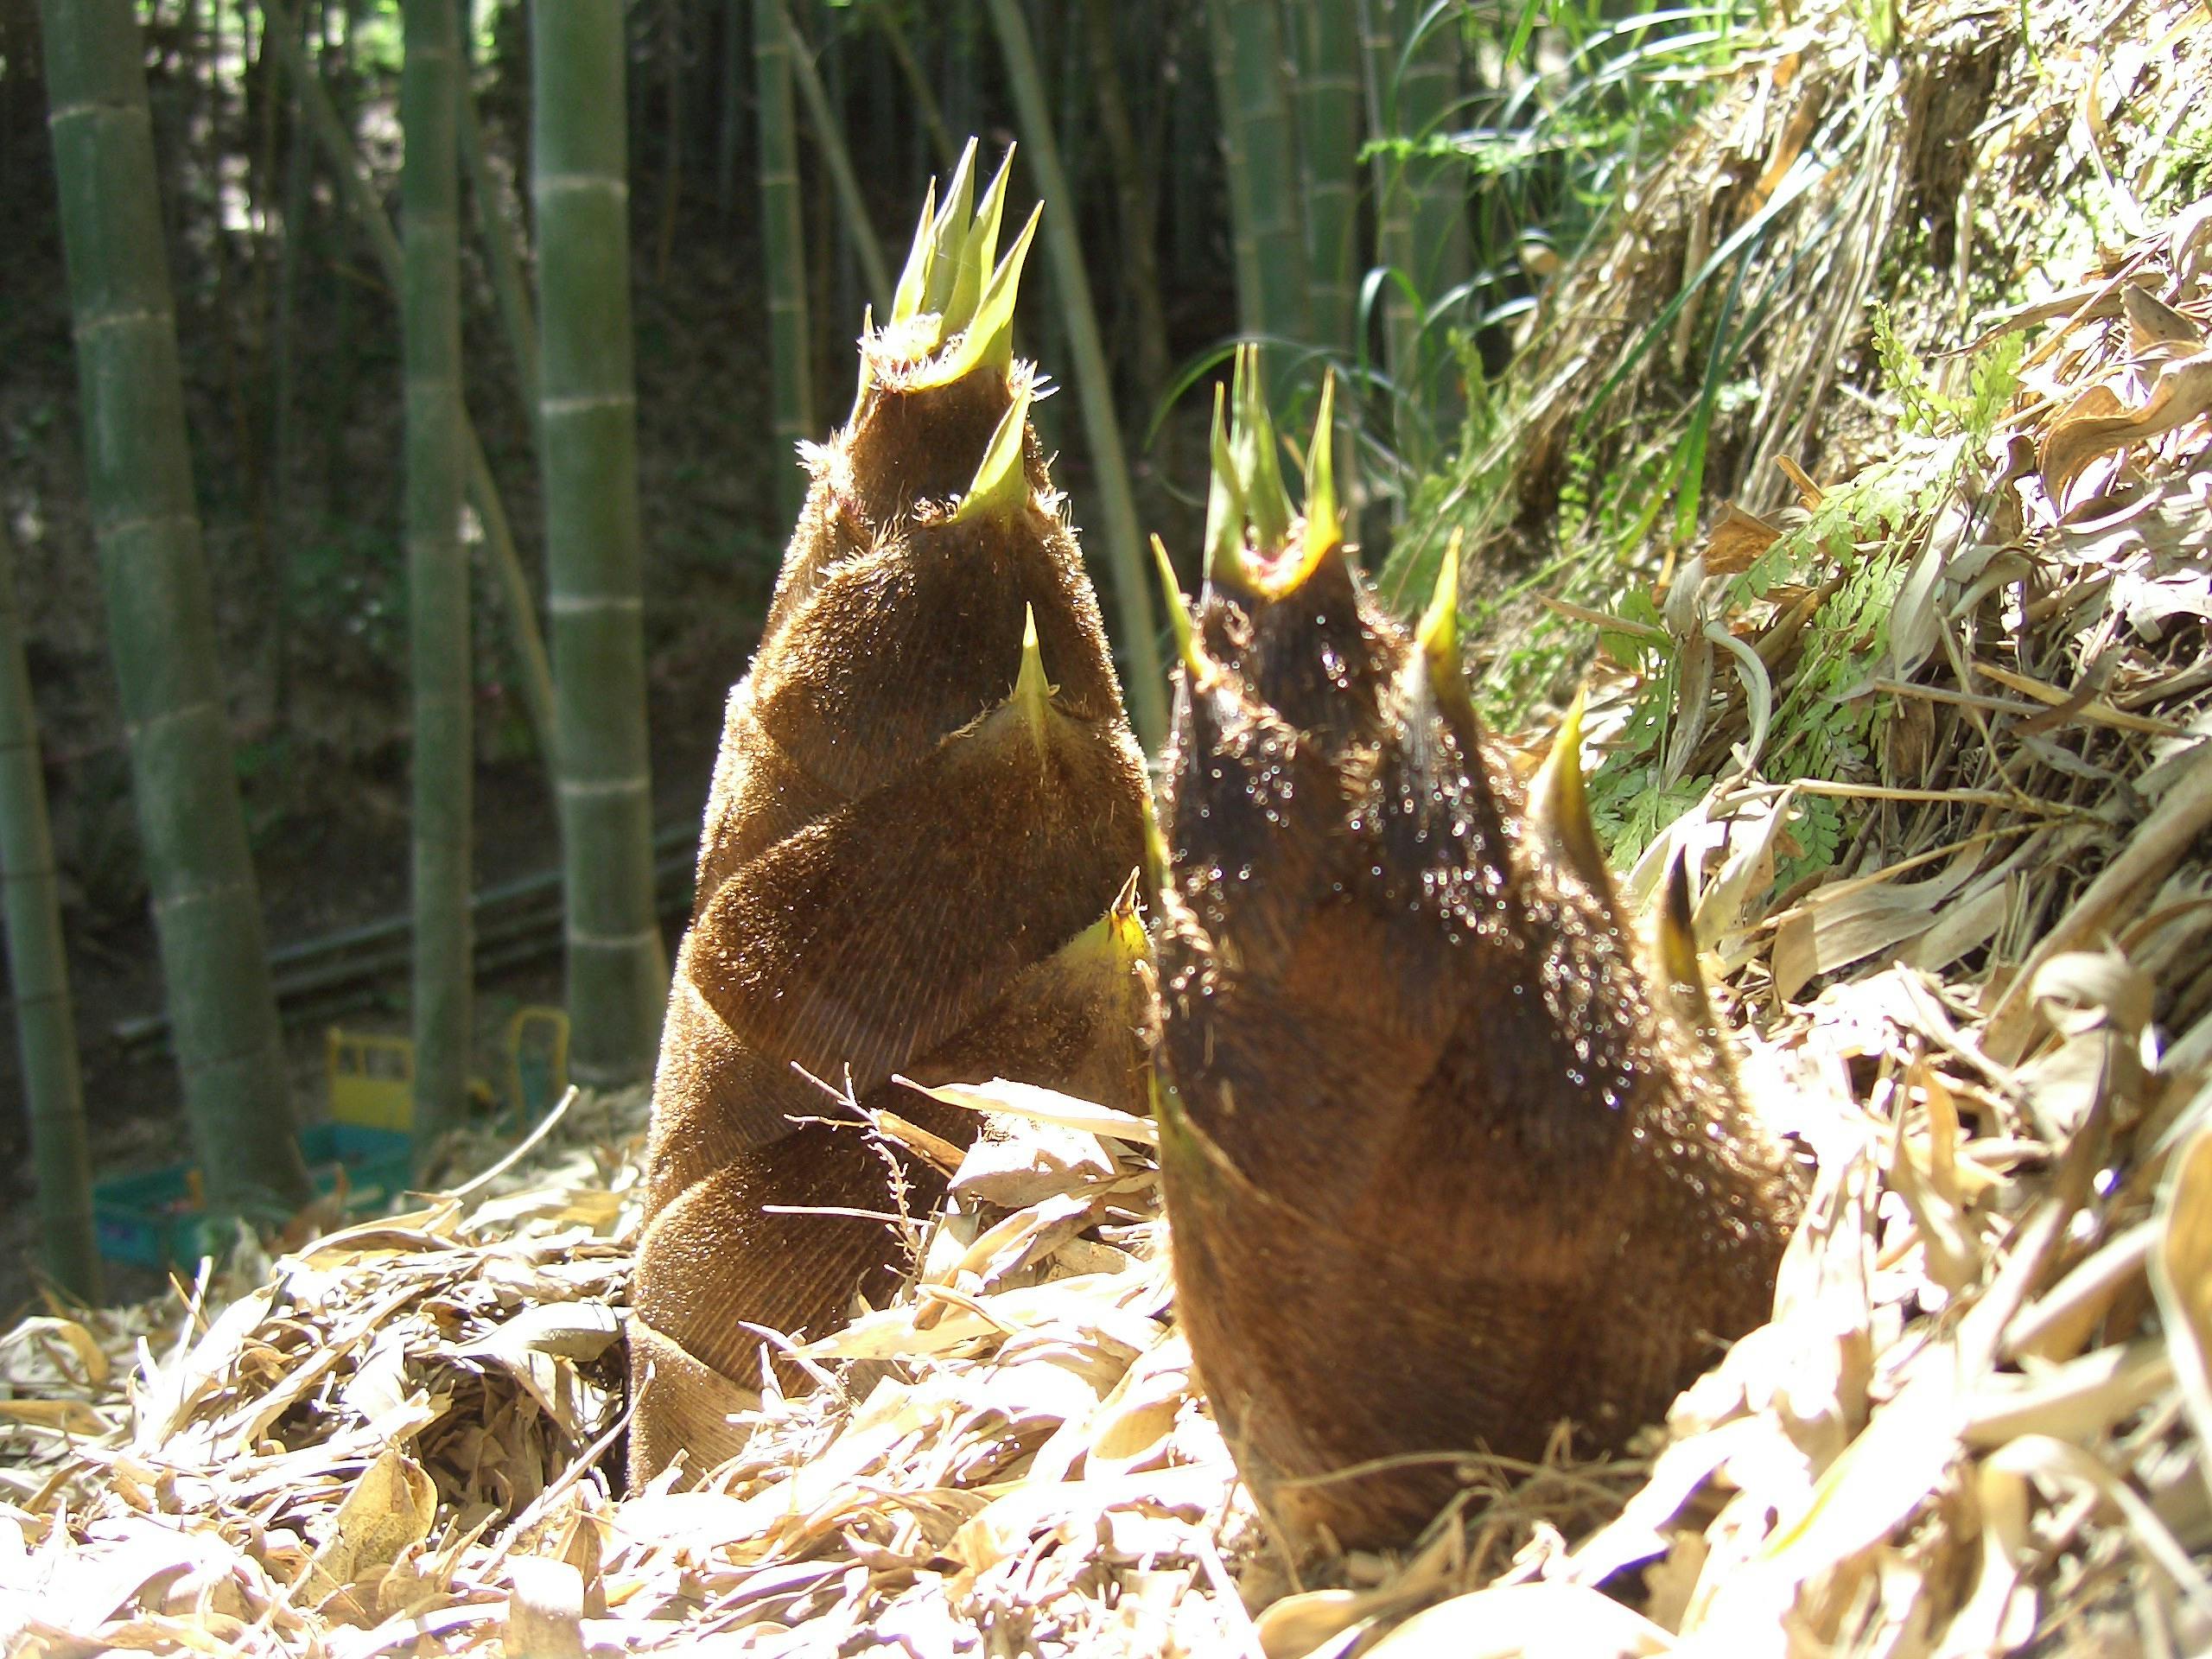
(1125, 902)
(1325, 528)
(949, 233)
(1179, 614)
(978, 250)
(867, 376)
(1323, 532)
(1439, 624)
(988, 337)
(1224, 545)
(1252, 439)
(1032, 695)
(1113, 944)
(1560, 806)
(1561, 777)
(1678, 932)
(1001, 488)
(914, 279)
(1132, 943)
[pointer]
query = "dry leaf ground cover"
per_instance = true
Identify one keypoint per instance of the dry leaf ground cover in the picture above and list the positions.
(1934, 732)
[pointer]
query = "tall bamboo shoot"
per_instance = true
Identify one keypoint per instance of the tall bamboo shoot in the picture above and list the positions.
(925, 806)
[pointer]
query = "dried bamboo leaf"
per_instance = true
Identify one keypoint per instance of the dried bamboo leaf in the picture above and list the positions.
(2181, 1273)
(1737, 540)
(390, 1509)
(1518, 1619)
(2097, 422)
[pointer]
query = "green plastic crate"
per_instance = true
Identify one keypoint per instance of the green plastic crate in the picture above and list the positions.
(151, 1221)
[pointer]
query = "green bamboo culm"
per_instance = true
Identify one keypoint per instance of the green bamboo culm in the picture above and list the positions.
(830, 137)
(160, 625)
(1412, 56)
(1260, 148)
(533, 670)
(1326, 35)
(437, 567)
(1428, 100)
(783, 239)
(1144, 681)
(38, 974)
(1394, 233)
(495, 231)
(587, 428)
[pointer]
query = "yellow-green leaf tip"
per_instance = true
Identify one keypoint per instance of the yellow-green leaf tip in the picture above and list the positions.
(1248, 518)
(1440, 625)
(1033, 695)
(978, 252)
(1252, 438)
(1179, 614)
(950, 277)
(948, 234)
(1678, 934)
(913, 281)
(1325, 530)
(1116, 940)
(1001, 488)
(1132, 943)
(1561, 805)
(988, 337)
(1224, 545)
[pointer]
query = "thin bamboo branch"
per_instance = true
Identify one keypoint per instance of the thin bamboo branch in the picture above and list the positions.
(495, 232)
(736, 44)
(1429, 90)
(532, 666)
(1147, 685)
(1136, 196)
(441, 818)
(783, 235)
(886, 18)
(284, 379)
(38, 974)
(1243, 246)
(1393, 236)
(830, 137)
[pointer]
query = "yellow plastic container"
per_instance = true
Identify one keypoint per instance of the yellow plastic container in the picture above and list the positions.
(537, 1062)
(372, 1075)
(371, 1079)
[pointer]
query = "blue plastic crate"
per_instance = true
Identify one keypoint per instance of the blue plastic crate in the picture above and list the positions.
(152, 1221)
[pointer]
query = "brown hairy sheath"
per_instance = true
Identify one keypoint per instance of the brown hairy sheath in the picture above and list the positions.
(1441, 1171)
(926, 802)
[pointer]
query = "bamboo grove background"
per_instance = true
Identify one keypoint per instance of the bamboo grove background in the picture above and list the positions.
(409, 438)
